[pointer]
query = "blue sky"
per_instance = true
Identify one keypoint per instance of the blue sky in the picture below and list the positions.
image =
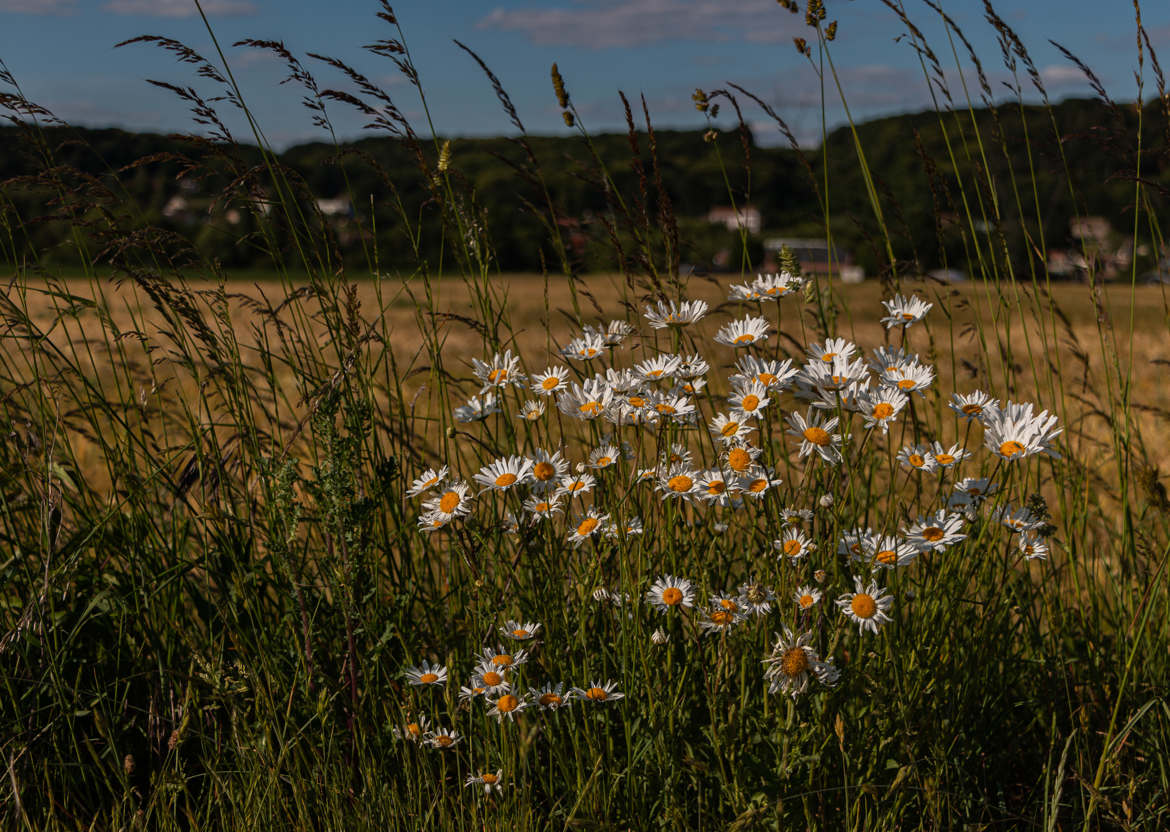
(62, 52)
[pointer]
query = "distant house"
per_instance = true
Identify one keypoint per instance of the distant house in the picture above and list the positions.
(747, 216)
(814, 258)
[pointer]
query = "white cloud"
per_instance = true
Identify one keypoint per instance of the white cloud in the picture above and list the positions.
(601, 24)
(1062, 75)
(178, 8)
(59, 7)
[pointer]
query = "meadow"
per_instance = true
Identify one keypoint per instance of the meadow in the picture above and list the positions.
(456, 548)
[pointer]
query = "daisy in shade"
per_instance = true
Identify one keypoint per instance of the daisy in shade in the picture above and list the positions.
(552, 380)
(755, 483)
(501, 658)
(973, 406)
(427, 480)
(748, 400)
(546, 469)
(792, 663)
(904, 312)
(948, 457)
(506, 706)
(487, 780)
(550, 697)
(867, 606)
(442, 739)
(505, 473)
(470, 694)
(936, 532)
(598, 693)
(806, 597)
(575, 485)
(585, 401)
(678, 482)
(831, 350)
(501, 371)
(669, 592)
(879, 408)
(452, 502)
(675, 314)
(918, 458)
(658, 368)
(793, 544)
(587, 527)
(728, 429)
(426, 675)
(540, 508)
(795, 516)
(741, 458)
(603, 457)
(1016, 432)
(1017, 519)
(530, 411)
(519, 632)
(587, 347)
(816, 436)
(1033, 546)
(432, 521)
(972, 490)
(411, 731)
(852, 542)
(887, 551)
(477, 409)
(754, 598)
(910, 378)
(743, 333)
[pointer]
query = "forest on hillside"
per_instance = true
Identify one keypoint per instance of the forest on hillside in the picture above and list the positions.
(371, 198)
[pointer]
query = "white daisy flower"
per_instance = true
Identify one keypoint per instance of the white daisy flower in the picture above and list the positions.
(575, 485)
(1033, 546)
(904, 311)
(613, 334)
(678, 482)
(741, 458)
(519, 632)
(432, 521)
(452, 502)
(776, 286)
(585, 401)
(427, 480)
(887, 551)
(501, 371)
(757, 482)
(442, 739)
(948, 457)
(806, 597)
(490, 679)
(1016, 432)
(793, 544)
(505, 473)
(881, 407)
(792, 663)
(744, 291)
(867, 606)
(973, 490)
(1017, 519)
(546, 468)
(728, 429)
(478, 408)
(743, 333)
(530, 411)
(917, 457)
(677, 454)
(669, 592)
(910, 378)
(584, 348)
(748, 399)
(675, 314)
(470, 694)
(795, 516)
(936, 532)
(603, 457)
(598, 693)
(426, 674)
(755, 598)
(550, 697)
(775, 375)
(592, 523)
(689, 387)
(489, 781)
(411, 731)
(552, 380)
(712, 486)
(973, 406)
(692, 366)
(723, 615)
(889, 359)
(500, 658)
(852, 542)
(674, 407)
(816, 436)
(659, 367)
(542, 507)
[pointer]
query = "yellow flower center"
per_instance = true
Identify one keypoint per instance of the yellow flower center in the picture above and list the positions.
(665, 409)
(906, 316)
(974, 491)
(521, 633)
(507, 703)
(489, 778)
(933, 534)
(544, 471)
(766, 379)
(806, 601)
(863, 605)
(722, 617)
(828, 357)
(603, 461)
(757, 485)
(917, 460)
(1011, 448)
(587, 526)
(596, 694)
(550, 698)
(944, 459)
(817, 436)
(746, 338)
(792, 548)
(672, 596)
(972, 409)
(739, 460)
(750, 402)
(728, 604)
(430, 482)
(428, 678)
(502, 660)
(443, 740)
(496, 376)
(906, 384)
(590, 408)
(491, 678)
(449, 502)
(883, 410)
(730, 429)
(414, 729)
(532, 415)
(504, 480)
(795, 662)
(589, 352)
(716, 487)
(680, 483)
(636, 401)
(550, 383)
(886, 556)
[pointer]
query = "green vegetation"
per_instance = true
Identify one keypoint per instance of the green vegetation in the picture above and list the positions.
(226, 575)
